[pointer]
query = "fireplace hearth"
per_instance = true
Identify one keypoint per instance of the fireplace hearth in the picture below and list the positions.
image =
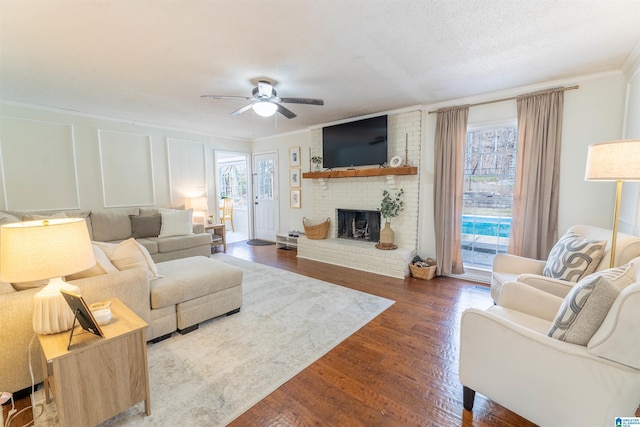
(358, 225)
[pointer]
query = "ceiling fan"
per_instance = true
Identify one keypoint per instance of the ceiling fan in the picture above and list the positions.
(266, 101)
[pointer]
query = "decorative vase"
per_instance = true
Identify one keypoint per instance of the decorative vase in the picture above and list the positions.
(386, 235)
(316, 167)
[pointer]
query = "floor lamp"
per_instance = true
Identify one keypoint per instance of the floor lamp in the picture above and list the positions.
(614, 161)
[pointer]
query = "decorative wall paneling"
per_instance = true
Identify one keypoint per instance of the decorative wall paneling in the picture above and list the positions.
(126, 165)
(40, 156)
(186, 164)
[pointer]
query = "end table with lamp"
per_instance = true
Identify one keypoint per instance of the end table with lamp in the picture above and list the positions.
(98, 377)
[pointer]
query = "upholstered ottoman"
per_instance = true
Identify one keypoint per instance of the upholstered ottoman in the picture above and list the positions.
(191, 291)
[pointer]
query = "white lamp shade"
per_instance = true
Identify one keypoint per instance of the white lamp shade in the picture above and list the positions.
(37, 250)
(199, 204)
(614, 161)
(265, 108)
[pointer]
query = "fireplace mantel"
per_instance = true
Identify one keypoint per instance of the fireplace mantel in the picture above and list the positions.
(352, 173)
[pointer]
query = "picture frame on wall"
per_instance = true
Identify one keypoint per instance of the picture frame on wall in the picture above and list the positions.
(294, 178)
(295, 199)
(294, 156)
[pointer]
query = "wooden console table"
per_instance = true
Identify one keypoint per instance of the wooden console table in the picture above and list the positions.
(99, 377)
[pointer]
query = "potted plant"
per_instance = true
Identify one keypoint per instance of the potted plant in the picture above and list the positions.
(317, 161)
(390, 207)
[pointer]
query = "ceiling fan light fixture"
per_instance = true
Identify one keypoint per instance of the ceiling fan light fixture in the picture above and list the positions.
(265, 108)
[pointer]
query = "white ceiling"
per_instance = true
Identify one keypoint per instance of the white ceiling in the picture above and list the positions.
(149, 61)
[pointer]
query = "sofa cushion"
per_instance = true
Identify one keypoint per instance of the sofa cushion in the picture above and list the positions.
(112, 224)
(6, 218)
(128, 255)
(176, 222)
(6, 288)
(189, 278)
(149, 210)
(177, 243)
(145, 226)
(36, 217)
(587, 304)
(574, 257)
(150, 244)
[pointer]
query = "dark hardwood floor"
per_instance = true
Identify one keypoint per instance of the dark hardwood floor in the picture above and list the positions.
(401, 369)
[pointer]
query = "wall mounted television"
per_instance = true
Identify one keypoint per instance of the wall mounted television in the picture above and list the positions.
(359, 143)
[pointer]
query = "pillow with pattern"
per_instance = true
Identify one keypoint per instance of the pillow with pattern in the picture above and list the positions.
(574, 257)
(587, 304)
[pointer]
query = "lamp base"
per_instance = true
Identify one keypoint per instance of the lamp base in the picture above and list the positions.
(51, 313)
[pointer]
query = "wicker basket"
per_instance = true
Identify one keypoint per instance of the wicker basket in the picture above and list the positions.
(425, 273)
(316, 232)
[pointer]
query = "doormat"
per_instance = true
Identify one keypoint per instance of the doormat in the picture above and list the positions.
(258, 242)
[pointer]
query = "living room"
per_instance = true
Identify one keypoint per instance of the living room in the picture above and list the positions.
(58, 157)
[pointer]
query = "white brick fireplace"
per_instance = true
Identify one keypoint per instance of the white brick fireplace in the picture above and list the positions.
(365, 193)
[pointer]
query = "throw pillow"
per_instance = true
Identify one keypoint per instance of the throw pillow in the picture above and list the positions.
(176, 222)
(103, 266)
(587, 304)
(145, 226)
(128, 255)
(574, 257)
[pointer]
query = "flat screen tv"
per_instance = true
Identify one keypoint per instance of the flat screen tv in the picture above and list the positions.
(359, 143)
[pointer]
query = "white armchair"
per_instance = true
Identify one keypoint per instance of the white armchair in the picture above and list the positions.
(508, 267)
(506, 355)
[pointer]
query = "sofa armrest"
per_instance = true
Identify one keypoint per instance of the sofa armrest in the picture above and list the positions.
(617, 338)
(506, 263)
(198, 228)
(550, 285)
(129, 286)
(526, 299)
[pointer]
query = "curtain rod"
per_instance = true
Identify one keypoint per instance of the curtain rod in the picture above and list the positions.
(504, 99)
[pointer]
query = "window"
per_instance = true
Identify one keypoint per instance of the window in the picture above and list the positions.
(489, 175)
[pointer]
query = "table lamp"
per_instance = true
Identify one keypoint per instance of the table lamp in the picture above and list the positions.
(199, 204)
(46, 249)
(614, 161)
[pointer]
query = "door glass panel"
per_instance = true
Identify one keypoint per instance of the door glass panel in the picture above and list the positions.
(265, 180)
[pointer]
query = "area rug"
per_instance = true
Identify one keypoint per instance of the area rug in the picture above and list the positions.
(258, 242)
(212, 375)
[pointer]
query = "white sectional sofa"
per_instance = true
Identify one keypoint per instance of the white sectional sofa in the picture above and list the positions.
(187, 288)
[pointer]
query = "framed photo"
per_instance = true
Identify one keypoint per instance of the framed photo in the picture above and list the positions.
(294, 178)
(295, 199)
(294, 156)
(210, 220)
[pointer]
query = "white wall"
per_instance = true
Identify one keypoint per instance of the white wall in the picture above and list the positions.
(59, 160)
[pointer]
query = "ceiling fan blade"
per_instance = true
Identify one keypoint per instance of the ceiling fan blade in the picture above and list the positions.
(241, 110)
(286, 112)
(225, 97)
(309, 101)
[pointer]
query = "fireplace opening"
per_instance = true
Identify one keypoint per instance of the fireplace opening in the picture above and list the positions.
(358, 225)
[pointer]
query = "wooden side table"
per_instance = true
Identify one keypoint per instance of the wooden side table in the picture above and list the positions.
(218, 235)
(99, 377)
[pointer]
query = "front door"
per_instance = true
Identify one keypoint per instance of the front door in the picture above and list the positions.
(265, 185)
